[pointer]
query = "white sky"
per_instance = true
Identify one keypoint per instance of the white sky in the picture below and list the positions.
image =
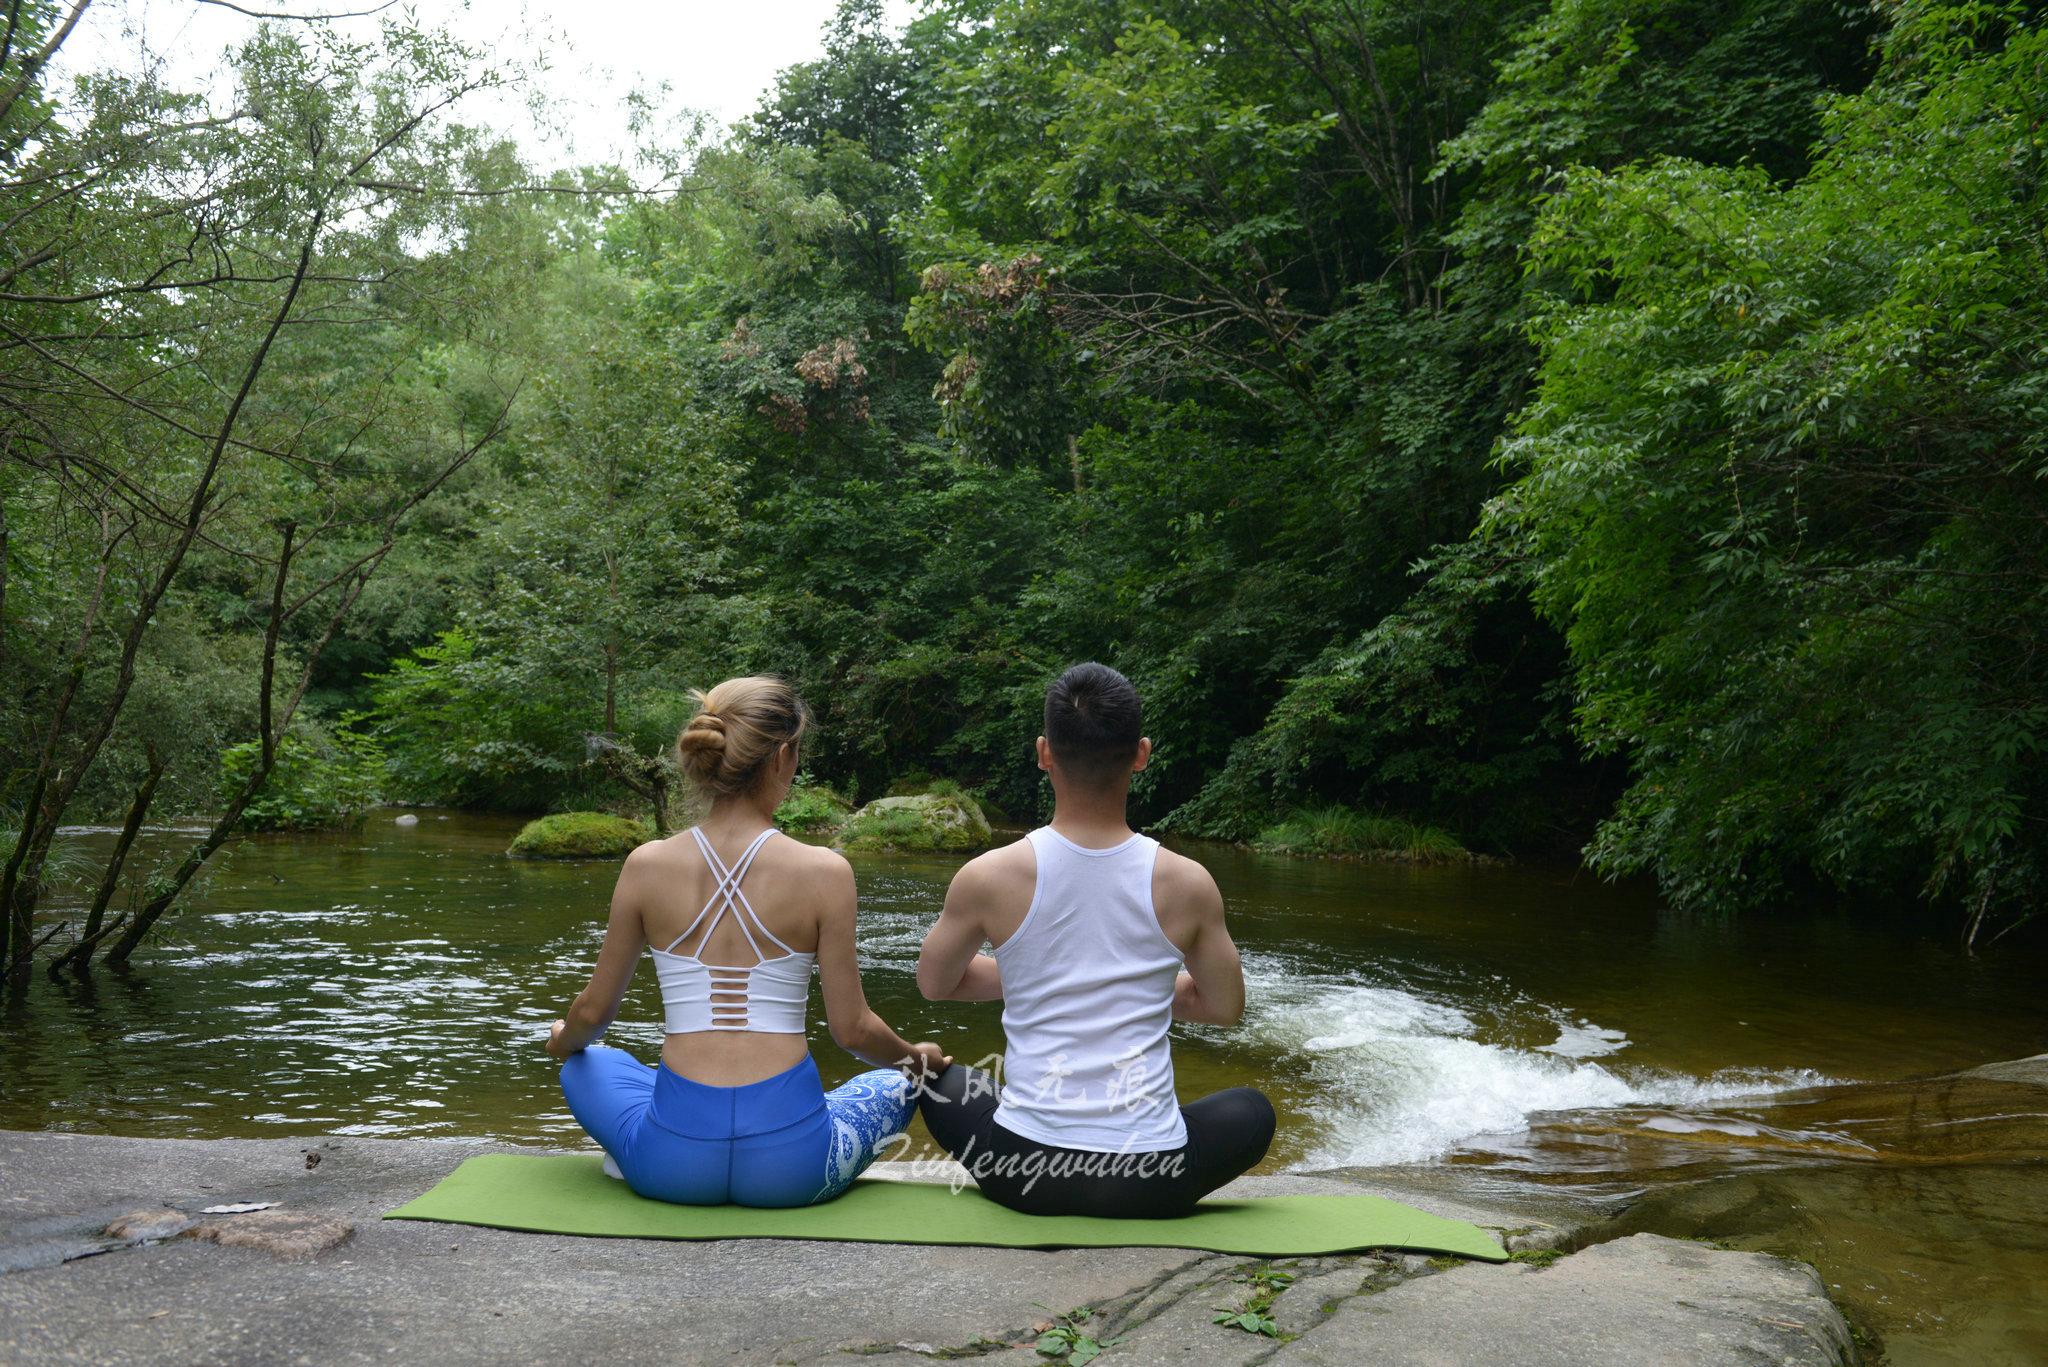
(716, 55)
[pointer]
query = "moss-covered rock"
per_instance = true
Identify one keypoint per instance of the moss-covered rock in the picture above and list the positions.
(579, 835)
(946, 820)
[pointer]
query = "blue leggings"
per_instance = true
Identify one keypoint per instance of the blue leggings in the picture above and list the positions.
(783, 1141)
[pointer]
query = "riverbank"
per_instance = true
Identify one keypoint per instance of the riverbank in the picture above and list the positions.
(413, 1292)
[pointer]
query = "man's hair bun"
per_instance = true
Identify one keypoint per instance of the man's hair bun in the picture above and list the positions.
(725, 748)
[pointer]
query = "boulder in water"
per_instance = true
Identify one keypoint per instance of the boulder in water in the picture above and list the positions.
(945, 820)
(407, 820)
(579, 835)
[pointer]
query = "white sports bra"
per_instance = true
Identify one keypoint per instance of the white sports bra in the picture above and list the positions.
(771, 995)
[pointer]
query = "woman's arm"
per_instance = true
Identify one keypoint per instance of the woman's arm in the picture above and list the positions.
(855, 1026)
(597, 1004)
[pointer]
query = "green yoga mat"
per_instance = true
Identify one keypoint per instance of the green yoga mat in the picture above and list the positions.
(569, 1194)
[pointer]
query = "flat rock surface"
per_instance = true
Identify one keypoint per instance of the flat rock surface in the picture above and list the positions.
(1643, 1299)
(415, 1292)
(2034, 1070)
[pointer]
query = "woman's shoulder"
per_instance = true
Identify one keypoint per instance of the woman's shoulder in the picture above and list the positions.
(814, 860)
(664, 854)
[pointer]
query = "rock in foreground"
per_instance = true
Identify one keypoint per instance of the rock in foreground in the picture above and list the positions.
(579, 835)
(947, 822)
(1644, 1299)
(406, 1292)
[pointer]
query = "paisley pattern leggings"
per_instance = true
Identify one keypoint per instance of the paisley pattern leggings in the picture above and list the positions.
(783, 1141)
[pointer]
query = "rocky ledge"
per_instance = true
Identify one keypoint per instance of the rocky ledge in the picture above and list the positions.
(113, 1256)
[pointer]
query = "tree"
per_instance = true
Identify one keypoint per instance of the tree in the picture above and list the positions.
(201, 327)
(605, 548)
(1781, 486)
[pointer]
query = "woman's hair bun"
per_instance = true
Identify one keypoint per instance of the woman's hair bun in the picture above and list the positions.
(705, 732)
(726, 747)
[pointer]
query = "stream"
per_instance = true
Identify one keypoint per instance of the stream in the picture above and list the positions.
(1783, 1083)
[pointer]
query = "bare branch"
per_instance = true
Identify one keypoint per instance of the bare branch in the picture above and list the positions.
(282, 14)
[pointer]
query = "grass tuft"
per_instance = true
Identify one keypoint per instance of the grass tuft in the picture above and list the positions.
(1336, 829)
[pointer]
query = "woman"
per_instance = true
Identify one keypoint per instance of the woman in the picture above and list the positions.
(735, 1112)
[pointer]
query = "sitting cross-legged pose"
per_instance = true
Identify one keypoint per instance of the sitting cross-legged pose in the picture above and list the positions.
(735, 1111)
(1090, 926)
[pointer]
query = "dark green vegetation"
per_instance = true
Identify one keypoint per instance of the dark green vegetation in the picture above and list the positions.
(1614, 421)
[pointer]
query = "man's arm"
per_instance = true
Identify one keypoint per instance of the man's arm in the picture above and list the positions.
(951, 966)
(1211, 991)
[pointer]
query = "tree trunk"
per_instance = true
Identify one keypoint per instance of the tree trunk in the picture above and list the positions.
(21, 884)
(18, 892)
(611, 688)
(14, 921)
(353, 578)
(265, 763)
(3, 587)
(90, 937)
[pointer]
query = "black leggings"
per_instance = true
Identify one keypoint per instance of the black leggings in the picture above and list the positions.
(1227, 1134)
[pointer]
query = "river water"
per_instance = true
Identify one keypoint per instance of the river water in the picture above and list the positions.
(1780, 1083)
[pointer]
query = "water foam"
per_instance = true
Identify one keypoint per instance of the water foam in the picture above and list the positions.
(1399, 1073)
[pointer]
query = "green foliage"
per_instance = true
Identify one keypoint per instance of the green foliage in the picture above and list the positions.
(1183, 338)
(1252, 1315)
(321, 780)
(812, 808)
(1446, 707)
(455, 729)
(1063, 1340)
(579, 835)
(1781, 487)
(1340, 830)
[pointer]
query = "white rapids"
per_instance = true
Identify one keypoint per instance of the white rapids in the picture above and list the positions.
(1402, 1073)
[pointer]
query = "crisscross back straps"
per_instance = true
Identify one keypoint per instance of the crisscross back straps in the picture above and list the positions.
(728, 897)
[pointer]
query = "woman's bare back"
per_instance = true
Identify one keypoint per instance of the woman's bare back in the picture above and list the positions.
(783, 889)
(780, 887)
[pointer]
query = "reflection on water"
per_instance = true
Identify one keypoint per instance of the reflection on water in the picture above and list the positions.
(1497, 1025)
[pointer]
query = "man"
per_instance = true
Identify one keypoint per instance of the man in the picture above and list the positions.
(1101, 940)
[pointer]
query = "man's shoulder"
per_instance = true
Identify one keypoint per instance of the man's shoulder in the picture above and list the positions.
(1003, 864)
(998, 876)
(1183, 883)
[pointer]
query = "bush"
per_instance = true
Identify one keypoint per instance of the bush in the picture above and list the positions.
(319, 782)
(579, 835)
(812, 808)
(1340, 830)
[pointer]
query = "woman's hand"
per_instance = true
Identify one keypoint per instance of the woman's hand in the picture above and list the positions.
(554, 1044)
(925, 1061)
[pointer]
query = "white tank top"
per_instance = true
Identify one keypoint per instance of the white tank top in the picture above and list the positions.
(1087, 1002)
(766, 997)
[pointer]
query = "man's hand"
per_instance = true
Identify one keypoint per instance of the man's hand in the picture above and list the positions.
(554, 1044)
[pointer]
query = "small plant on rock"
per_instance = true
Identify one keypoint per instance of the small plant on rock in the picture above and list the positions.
(1062, 1339)
(1254, 1315)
